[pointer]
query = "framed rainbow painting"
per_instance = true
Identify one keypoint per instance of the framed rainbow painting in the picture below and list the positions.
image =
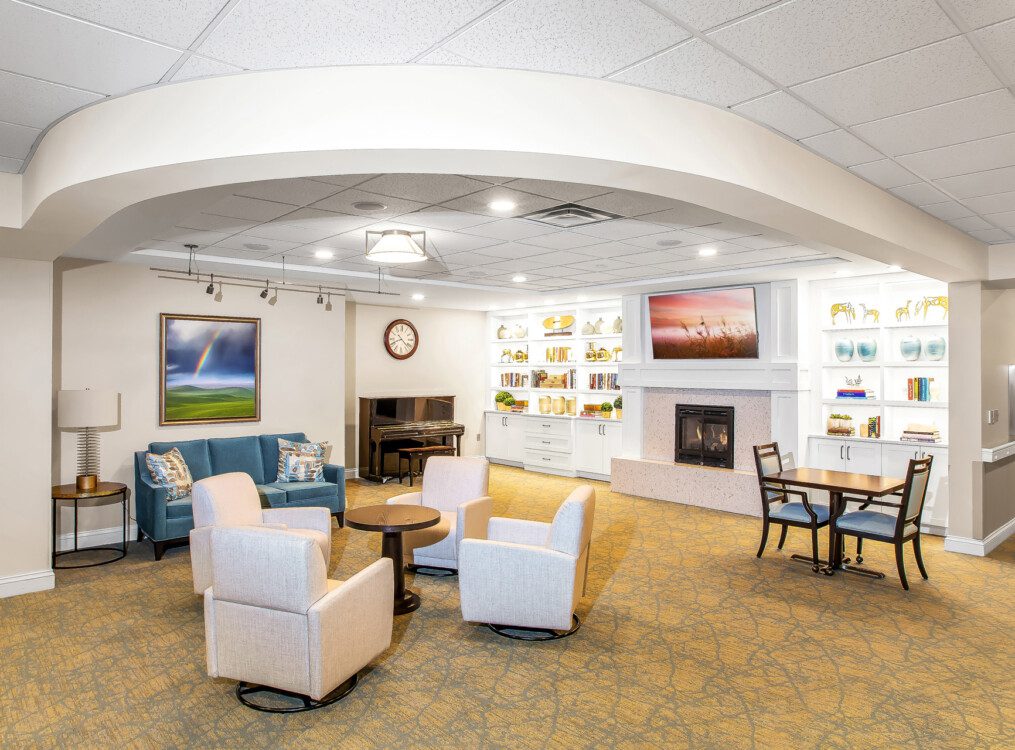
(210, 369)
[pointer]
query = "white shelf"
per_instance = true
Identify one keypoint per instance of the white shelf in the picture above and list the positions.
(918, 364)
(857, 439)
(509, 341)
(570, 391)
(881, 402)
(919, 404)
(850, 365)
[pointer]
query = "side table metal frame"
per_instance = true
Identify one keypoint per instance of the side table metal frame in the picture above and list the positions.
(122, 550)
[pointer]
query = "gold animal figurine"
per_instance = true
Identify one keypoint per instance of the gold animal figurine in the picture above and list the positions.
(928, 302)
(843, 307)
(902, 312)
(870, 312)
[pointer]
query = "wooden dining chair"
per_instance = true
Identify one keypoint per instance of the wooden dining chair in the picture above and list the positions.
(776, 506)
(898, 528)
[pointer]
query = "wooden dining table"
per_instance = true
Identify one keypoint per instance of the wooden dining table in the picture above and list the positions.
(839, 484)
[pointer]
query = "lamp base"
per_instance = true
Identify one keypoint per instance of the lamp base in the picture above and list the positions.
(87, 482)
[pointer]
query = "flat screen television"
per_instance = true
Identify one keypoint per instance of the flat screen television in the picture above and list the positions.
(704, 324)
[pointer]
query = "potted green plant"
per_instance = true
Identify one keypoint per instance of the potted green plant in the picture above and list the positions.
(509, 402)
(500, 398)
(618, 407)
(606, 409)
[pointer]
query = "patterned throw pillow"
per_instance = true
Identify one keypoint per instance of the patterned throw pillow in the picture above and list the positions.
(301, 462)
(169, 470)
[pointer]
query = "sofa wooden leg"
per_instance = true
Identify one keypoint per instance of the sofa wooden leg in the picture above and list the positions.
(341, 519)
(140, 535)
(160, 549)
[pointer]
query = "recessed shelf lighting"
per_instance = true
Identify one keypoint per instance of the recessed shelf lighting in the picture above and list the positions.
(324, 254)
(417, 297)
(368, 206)
(518, 278)
(502, 205)
(707, 252)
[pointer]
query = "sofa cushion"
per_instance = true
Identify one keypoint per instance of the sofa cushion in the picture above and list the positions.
(296, 491)
(301, 462)
(270, 496)
(237, 454)
(169, 470)
(194, 452)
(269, 451)
(181, 508)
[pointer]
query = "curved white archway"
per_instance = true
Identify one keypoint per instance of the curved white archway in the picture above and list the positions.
(350, 120)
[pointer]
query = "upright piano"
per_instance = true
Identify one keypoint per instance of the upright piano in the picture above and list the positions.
(387, 424)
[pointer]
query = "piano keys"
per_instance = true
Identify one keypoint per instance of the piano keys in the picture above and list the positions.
(387, 424)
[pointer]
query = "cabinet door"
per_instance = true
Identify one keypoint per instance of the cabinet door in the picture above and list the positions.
(935, 507)
(589, 447)
(829, 455)
(514, 437)
(863, 458)
(497, 444)
(895, 459)
(614, 445)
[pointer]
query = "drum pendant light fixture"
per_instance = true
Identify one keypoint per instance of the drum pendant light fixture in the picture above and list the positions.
(395, 246)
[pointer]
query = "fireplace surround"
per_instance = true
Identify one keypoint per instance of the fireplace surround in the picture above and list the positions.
(704, 435)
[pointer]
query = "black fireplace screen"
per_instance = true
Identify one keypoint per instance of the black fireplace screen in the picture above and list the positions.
(704, 435)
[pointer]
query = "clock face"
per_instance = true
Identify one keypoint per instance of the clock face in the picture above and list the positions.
(401, 339)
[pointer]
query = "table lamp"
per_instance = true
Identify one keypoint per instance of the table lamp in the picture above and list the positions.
(85, 411)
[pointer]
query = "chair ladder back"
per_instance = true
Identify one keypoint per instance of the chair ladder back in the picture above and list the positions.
(915, 492)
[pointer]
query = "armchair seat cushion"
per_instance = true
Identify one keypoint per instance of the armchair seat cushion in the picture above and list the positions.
(871, 522)
(797, 512)
(181, 508)
(435, 542)
(302, 491)
(270, 496)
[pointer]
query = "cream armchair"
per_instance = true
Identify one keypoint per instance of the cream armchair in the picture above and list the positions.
(232, 500)
(529, 576)
(459, 487)
(274, 622)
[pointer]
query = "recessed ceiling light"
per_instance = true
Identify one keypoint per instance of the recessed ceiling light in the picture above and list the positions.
(324, 254)
(418, 297)
(707, 252)
(502, 205)
(368, 206)
(893, 269)
(518, 278)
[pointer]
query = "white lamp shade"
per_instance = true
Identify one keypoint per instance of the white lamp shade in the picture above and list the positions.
(396, 246)
(87, 409)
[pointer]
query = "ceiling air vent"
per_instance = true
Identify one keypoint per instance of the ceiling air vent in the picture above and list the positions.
(570, 215)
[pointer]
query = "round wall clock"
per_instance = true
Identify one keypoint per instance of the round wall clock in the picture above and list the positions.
(401, 339)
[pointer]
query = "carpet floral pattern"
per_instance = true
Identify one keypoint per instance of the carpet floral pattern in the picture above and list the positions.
(688, 641)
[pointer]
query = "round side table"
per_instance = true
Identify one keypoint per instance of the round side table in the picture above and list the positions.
(70, 492)
(391, 521)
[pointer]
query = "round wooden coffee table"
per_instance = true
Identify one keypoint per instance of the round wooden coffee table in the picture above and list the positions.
(391, 521)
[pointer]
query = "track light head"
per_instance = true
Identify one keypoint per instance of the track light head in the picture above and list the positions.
(320, 299)
(210, 289)
(264, 293)
(328, 305)
(274, 298)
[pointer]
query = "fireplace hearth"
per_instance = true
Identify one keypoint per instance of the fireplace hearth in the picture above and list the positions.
(704, 435)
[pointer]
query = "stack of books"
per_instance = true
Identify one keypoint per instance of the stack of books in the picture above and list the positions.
(918, 389)
(921, 433)
(854, 393)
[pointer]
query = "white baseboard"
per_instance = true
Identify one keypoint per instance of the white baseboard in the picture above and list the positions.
(352, 473)
(26, 583)
(979, 547)
(96, 538)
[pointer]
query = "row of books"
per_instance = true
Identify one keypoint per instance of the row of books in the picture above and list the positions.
(604, 381)
(858, 393)
(514, 380)
(543, 379)
(921, 433)
(558, 354)
(918, 389)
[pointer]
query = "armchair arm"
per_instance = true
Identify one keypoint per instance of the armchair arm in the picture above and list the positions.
(334, 474)
(408, 498)
(318, 519)
(517, 531)
(804, 499)
(473, 519)
(349, 626)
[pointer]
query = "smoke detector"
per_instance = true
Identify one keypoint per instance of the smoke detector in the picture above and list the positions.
(569, 215)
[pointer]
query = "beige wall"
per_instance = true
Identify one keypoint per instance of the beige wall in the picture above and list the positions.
(26, 418)
(109, 332)
(451, 360)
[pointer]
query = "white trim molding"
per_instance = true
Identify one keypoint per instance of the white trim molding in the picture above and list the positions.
(998, 452)
(978, 547)
(95, 538)
(27, 583)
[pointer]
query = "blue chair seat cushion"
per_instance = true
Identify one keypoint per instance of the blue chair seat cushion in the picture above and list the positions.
(797, 512)
(871, 522)
(270, 496)
(298, 492)
(180, 508)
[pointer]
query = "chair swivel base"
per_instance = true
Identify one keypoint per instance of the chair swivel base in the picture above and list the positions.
(243, 690)
(535, 634)
(432, 571)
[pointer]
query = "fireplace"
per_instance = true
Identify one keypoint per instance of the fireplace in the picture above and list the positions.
(704, 435)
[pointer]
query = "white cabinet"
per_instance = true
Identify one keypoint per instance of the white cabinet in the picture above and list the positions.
(505, 437)
(596, 443)
(845, 455)
(554, 445)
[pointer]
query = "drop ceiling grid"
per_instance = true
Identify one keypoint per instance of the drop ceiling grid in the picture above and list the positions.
(909, 27)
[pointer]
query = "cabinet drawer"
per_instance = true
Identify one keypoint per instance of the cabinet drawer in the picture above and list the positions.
(538, 459)
(555, 443)
(536, 426)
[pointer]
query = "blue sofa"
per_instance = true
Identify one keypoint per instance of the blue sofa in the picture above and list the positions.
(168, 522)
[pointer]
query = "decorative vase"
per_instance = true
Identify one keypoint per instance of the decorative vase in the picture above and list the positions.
(844, 350)
(544, 404)
(618, 325)
(588, 329)
(934, 348)
(603, 355)
(559, 406)
(590, 353)
(506, 356)
(909, 347)
(598, 327)
(572, 407)
(520, 331)
(867, 349)
(618, 413)
(502, 332)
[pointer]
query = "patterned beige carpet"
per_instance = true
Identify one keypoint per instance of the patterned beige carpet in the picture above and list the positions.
(688, 641)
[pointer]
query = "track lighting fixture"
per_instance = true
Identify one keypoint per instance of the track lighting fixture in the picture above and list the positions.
(274, 298)
(328, 305)
(264, 292)
(210, 289)
(320, 296)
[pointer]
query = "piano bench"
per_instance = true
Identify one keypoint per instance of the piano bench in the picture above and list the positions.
(421, 453)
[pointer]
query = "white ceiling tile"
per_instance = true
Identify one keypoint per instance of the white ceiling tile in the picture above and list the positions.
(257, 244)
(201, 67)
(842, 147)
(436, 217)
(513, 250)
(685, 215)
(1005, 220)
(219, 251)
(16, 140)
(919, 194)
(508, 229)
(620, 229)
(456, 242)
(786, 114)
(509, 277)
(343, 180)
(344, 202)
(666, 239)
(253, 209)
(947, 210)
(884, 173)
(468, 258)
(515, 265)
(979, 13)
(979, 116)
(176, 22)
(423, 188)
(800, 40)
(999, 41)
(328, 247)
(562, 241)
(184, 236)
(658, 257)
(602, 264)
(631, 272)
(991, 235)
(45, 45)
(561, 258)
(698, 70)
(301, 33)
(609, 249)
(970, 223)
(761, 242)
(962, 158)
(992, 204)
(27, 101)
(289, 233)
(10, 165)
(973, 185)
(583, 37)
(704, 14)
(315, 218)
(215, 223)
(297, 192)
(566, 192)
(487, 178)
(478, 203)
(727, 229)
(629, 203)
(923, 77)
